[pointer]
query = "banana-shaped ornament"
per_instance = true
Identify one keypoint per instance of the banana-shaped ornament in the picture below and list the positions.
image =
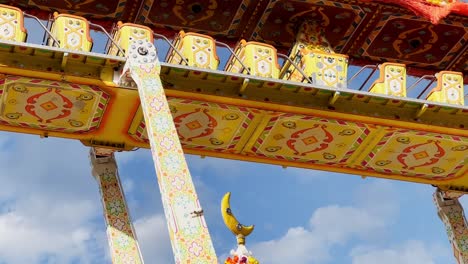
(231, 222)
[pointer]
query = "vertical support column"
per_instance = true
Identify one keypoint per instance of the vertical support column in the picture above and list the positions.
(451, 213)
(121, 235)
(191, 241)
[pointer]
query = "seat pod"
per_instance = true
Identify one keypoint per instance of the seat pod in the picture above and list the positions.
(449, 88)
(72, 32)
(391, 81)
(198, 49)
(12, 24)
(126, 33)
(261, 59)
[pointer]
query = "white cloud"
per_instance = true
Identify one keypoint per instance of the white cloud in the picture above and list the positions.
(153, 239)
(298, 245)
(53, 212)
(410, 252)
(328, 227)
(336, 224)
(23, 240)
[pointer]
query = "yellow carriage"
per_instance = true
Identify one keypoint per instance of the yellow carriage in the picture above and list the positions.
(72, 32)
(128, 32)
(259, 58)
(12, 24)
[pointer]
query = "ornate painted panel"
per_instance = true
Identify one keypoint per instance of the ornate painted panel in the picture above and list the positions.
(414, 41)
(50, 105)
(206, 126)
(115, 9)
(280, 19)
(367, 31)
(214, 17)
(308, 139)
(418, 154)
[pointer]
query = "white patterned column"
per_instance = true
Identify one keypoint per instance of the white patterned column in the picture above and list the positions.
(191, 241)
(451, 213)
(121, 236)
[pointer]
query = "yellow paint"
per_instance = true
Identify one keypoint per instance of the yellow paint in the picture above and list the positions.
(281, 108)
(366, 147)
(72, 32)
(239, 230)
(256, 134)
(392, 80)
(49, 104)
(440, 2)
(310, 38)
(449, 88)
(128, 99)
(426, 155)
(104, 78)
(326, 69)
(198, 49)
(128, 32)
(457, 182)
(314, 55)
(210, 126)
(250, 131)
(12, 24)
(260, 58)
(137, 119)
(295, 137)
(115, 130)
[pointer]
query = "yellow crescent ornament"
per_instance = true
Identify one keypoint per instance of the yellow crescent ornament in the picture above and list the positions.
(231, 222)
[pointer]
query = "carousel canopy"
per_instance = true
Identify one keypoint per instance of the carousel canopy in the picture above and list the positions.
(423, 34)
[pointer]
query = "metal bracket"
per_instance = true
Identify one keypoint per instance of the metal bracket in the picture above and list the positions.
(421, 110)
(444, 199)
(197, 213)
(245, 83)
(101, 155)
(333, 98)
(139, 52)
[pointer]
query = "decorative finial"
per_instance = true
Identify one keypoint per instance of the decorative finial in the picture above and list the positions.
(241, 255)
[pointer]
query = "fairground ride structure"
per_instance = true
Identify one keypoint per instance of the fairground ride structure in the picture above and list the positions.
(300, 109)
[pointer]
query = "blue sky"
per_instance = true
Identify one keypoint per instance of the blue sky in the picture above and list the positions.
(50, 210)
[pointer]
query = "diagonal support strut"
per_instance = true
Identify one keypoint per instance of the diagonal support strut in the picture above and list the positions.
(190, 239)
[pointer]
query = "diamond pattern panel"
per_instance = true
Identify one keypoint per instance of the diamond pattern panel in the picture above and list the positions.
(49, 105)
